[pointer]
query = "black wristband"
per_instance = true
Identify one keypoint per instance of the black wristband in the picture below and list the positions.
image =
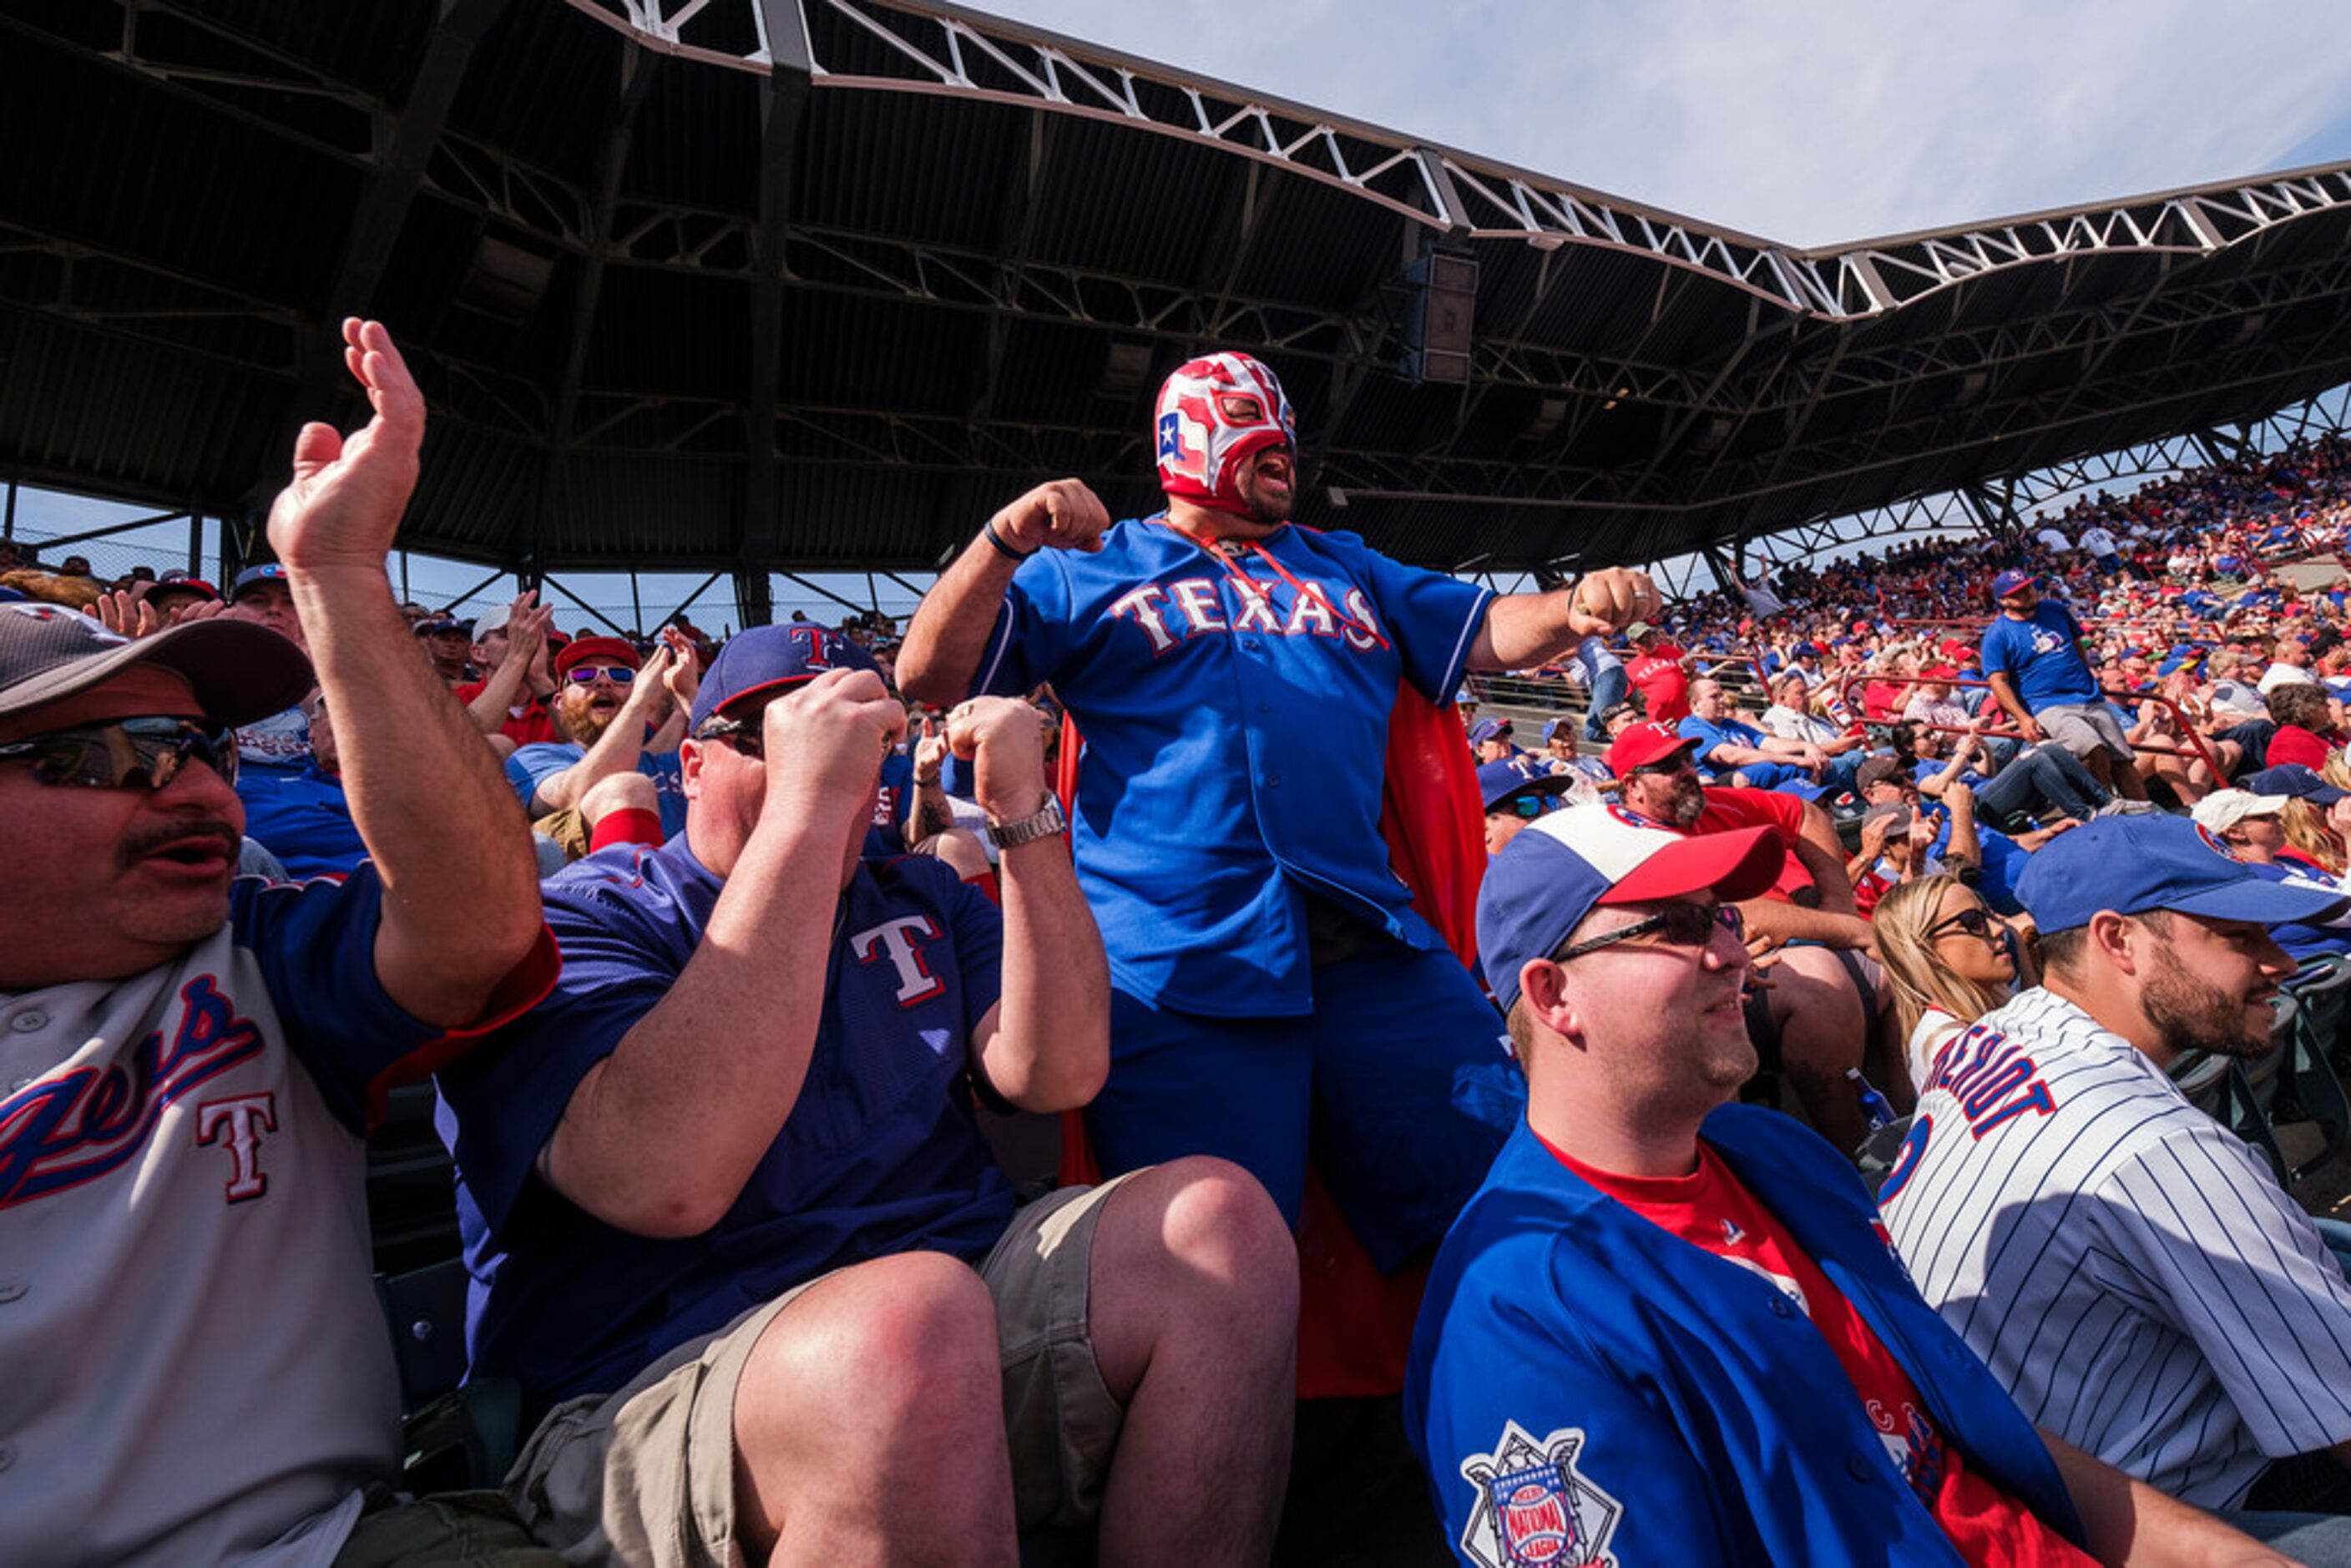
(1005, 550)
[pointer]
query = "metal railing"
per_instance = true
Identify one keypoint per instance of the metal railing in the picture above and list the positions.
(1849, 689)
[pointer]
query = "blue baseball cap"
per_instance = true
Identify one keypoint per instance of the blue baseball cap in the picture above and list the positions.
(1487, 730)
(2134, 865)
(2294, 779)
(268, 571)
(1568, 863)
(1551, 730)
(2008, 582)
(764, 656)
(1500, 781)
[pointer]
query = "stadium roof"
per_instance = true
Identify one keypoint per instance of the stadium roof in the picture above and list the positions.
(806, 284)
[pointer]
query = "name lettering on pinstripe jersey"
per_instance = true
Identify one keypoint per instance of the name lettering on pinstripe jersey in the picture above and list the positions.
(1195, 607)
(1992, 1078)
(77, 1125)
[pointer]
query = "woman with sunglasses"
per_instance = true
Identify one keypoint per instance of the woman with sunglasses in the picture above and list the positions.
(1950, 958)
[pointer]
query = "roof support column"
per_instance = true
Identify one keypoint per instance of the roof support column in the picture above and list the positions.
(783, 105)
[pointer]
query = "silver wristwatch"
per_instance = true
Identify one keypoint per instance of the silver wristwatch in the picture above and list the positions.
(1029, 829)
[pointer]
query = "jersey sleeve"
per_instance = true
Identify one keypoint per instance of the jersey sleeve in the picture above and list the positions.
(1521, 1421)
(531, 766)
(1434, 619)
(1999, 655)
(2212, 1244)
(1031, 635)
(505, 1099)
(315, 942)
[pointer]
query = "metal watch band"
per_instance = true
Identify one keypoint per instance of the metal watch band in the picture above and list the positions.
(1042, 824)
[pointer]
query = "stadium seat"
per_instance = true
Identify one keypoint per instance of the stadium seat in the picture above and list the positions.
(2295, 1085)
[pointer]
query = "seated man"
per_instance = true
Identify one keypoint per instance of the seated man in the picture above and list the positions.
(2123, 1262)
(197, 1369)
(1493, 740)
(618, 715)
(731, 1216)
(2044, 782)
(517, 685)
(300, 813)
(1746, 757)
(1666, 1329)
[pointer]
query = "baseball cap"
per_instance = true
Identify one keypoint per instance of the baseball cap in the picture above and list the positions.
(2227, 807)
(1487, 730)
(1638, 630)
(1877, 771)
(1896, 813)
(2008, 582)
(439, 626)
(1806, 650)
(1651, 741)
(2133, 864)
(2294, 779)
(494, 619)
(1565, 865)
(184, 584)
(597, 650)
(765, 656)
(268, 571)
(1500, 781)
(240, 672)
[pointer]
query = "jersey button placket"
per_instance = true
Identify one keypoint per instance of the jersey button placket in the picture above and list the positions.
(1858, 1467)
(32, 1021)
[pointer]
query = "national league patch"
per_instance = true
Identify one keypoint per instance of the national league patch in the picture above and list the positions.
(1533, 1509)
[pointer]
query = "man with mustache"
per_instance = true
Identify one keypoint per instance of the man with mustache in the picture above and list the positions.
(1667, 1328)
(1234, 678)
(2122, 1261)
(198, 1372)
(620, 719)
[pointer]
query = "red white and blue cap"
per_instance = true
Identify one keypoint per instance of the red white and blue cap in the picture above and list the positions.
(267, 571)
(1200, 447)
(2134, 865)
(2008, 582)
(1570, 863)
(765, 657)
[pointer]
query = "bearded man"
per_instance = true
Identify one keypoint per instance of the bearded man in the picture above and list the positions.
(620, 717)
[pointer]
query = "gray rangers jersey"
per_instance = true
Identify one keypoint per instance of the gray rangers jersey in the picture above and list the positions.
(195, 1368)
(2123, 1262)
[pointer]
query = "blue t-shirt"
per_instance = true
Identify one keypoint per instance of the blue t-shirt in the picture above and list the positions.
(2042, 655)
(1730, 732)
(1236, 740)
(893, 808)
(531, 766)
(880, 1155)
(300, 815)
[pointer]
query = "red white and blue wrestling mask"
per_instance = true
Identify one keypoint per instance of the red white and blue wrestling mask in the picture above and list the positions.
(1215, 413)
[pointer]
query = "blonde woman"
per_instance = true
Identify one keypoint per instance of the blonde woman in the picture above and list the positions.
(1947, 956)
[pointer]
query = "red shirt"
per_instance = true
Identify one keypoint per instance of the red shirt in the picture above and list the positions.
(1711, 1209)
(529, 727)
(1728, 808)
(2292, 743)
(1662, 682)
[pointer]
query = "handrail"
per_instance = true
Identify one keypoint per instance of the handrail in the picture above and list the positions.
(2186, 728)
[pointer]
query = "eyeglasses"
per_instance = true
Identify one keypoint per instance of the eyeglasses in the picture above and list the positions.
(1684, 760)
(749, 739)
(1520, 806)
(585, 674)
(1677, 925)
(145, 751)
(1975, 922)
(1241, 408)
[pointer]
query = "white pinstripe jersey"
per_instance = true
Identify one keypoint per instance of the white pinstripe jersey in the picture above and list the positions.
(2122, 1262)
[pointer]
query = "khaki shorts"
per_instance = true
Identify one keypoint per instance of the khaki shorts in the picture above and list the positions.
(646, 1476)
(568, 831)
(475, 1528)
(2083, 729)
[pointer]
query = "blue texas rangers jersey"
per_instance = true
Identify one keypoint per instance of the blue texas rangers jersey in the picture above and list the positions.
(1579, 1372)
(881, 1153)
(1235, 733)
(534, 765)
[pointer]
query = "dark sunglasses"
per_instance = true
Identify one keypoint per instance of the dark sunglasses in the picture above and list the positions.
(1977, 921)
(749, 739)
(585, 674)
(1684, 760)
(1677, 925)
(145, 751)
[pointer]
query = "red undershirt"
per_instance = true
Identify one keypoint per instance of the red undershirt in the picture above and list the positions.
(1711, 1209)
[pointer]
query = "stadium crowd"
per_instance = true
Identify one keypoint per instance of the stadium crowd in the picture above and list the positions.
(717, 952)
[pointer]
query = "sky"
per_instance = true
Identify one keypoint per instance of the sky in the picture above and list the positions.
(1810, 123)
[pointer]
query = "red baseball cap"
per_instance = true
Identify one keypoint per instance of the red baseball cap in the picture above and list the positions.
(597, 650)
(1651, 741)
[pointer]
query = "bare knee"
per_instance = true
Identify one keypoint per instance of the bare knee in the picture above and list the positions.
(1218, 1221)
(619, 792)
(1194, 1253)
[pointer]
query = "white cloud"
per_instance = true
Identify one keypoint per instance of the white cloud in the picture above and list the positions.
(1808, 123)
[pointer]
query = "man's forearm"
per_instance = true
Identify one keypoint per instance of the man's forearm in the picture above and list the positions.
(709, 1075)
(1822, 854)
(1051, 1050)
(2003, 692)
(1795, 923)
(941, 654)
(460, 887)
(490, 705)
(617, 750)
(2126, 1524)
(1523, 629)
(932, 814)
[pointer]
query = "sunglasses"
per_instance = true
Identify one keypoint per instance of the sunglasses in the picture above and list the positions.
(145, 751)
(749, 739)
(1523, 805)
(1977, 921)
(1684, 760)
(585, 674)
(1675, 925)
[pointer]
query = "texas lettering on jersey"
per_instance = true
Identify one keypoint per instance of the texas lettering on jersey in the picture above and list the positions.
(1171, 615)
(78, 1125)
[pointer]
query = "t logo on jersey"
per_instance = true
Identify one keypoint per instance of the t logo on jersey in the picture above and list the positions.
(237, 1123)
(900, 941)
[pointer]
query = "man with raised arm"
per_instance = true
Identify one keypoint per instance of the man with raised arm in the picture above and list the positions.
(1233, 677)
(733, 1225)
(197, 1369)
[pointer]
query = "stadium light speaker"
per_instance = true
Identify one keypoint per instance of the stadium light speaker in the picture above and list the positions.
(1127, 371)
(1440, 309)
